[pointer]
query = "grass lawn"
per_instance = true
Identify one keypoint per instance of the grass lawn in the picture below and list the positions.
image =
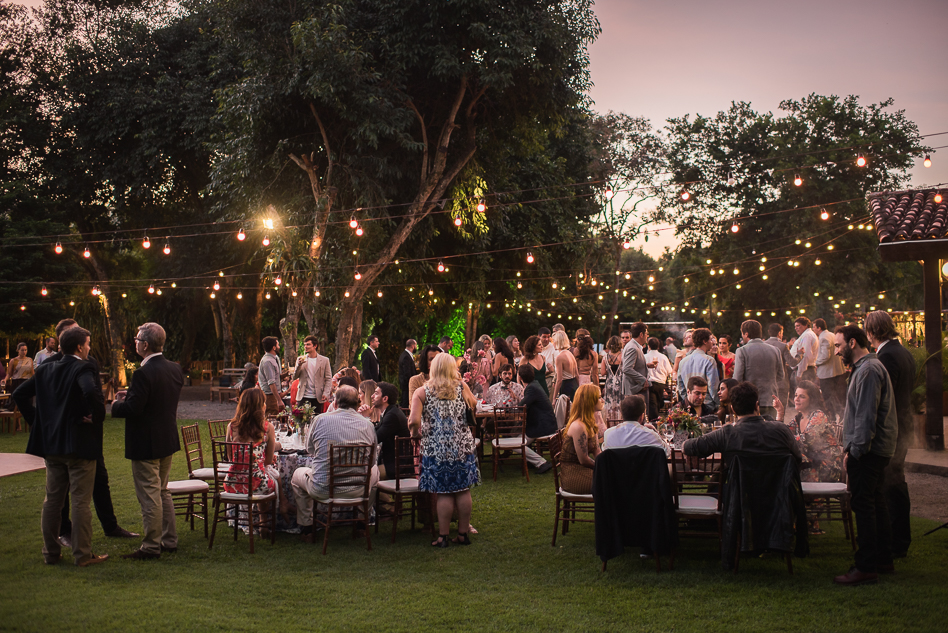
(509, 579)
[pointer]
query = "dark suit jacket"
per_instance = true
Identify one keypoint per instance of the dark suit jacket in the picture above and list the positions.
(900, 364)
(66, 390)
(393, 424)
(370, 366)
(406, 369)
(150, 410)
(753, 435)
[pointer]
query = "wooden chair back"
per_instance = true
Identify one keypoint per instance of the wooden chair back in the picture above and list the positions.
(611, 422)
(509, 422)
(350, 467)
(696, 475)
(191, 435)
(217, 429)
(233, 460)
(407, 460)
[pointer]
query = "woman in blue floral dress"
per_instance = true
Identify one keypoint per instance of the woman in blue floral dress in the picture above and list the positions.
(448, 457)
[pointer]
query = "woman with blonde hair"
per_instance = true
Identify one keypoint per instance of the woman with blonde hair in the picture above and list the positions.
(580, 441)
(566, 368)
(448, 458)
(367, 409)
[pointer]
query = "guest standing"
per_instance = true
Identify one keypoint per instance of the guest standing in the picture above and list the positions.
(760, 364)
(533, 357)
(19, 369)
(587, 360)
(634, 365)
(581, 441)
(269, 375)
(315, 376)
(448, 457)
(726, 356)
(659, 369)
(830, 371)
(503, 356)
(67, 432)
(417, 381)
(150, 409)
(406, 369)
(566, 370)
(51, 346)
(370, 362)
(611, 366)
(775, 331)
(514, 344)
(805, 350)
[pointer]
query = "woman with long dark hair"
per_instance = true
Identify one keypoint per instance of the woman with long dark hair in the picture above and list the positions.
(424, 364)
(503, 355)
(532, 356)
(587, 360)
(250, 425)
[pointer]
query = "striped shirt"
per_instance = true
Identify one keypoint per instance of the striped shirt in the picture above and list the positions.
(344, 426)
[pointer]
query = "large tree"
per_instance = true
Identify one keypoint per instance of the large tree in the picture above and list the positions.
(379, 106)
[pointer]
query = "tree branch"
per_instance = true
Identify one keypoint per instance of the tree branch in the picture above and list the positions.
(322, 130)
(424, 140)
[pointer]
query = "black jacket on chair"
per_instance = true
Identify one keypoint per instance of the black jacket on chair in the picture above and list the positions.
(370, 366)
(406, 369)
(763, 498)
(150, 410)
(66, 390)
(633, 497)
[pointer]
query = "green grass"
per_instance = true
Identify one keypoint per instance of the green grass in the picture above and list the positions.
(509, 579)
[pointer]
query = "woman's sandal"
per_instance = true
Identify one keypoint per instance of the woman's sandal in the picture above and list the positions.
(442, 541)
(461, 539)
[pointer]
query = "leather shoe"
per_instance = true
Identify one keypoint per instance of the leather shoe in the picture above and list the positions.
(141, 554)
(855, 577)
(93, 560)
(169, 550)
(885, 569)
(120, 532)
(65, 540)
(544, 467)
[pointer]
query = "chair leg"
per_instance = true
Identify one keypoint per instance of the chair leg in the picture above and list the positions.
(496, 455)
(397, 509)
(523, 458)
(273, 520)
(250, 524)
(191, 509)
(236, 520)
(328, 523)
(204, 506)
(556, 521)
(368, 532)
(217, 509)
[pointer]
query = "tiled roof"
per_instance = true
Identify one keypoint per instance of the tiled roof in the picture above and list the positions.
(909, 215)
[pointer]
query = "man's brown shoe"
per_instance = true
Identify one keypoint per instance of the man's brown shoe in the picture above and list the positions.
(855, 577)
(93, 560)
(141, 554)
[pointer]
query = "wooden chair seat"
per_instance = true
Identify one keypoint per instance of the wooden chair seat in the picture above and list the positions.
(575, 497)
(235, 460)
(830, 501)
(187, 486)
(696, 504)
(822, 489)
(405, 486)
(508, 443)
(206, 474)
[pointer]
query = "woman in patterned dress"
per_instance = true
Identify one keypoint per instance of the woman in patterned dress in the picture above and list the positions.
(817, 436)
(250, 425)
(448, 458)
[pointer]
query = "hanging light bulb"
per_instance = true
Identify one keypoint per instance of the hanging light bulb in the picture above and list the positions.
(379, 294)
(554, 285)
(685, 195)
(861, 161)
(217, 286)
(317, 293)
(519, 285)
(928, 161)
(167, 249)
(430, 292)
(353, 222)
(440, 267)
(278, 280)
(86, 253)
(240, 295)
(608, 193)
(266, 240)
(457, 221)
(735, 228)
(824, 214)
(43, 291)
(358, 275)
(347, 293)
(359, 231)
(731, 180)
(797, 180)
(267, 295)
(241, 235)
(58, 248)
(529, 258)
(146, 243)
(651, 278)
(627, 245)
(938, 198)
(294, 293)
(481, 206)
(213, 296)
(151, 289)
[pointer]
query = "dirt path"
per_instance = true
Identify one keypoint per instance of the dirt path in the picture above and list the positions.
(929, 494)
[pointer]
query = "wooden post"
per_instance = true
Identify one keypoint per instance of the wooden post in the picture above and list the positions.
(934, 426)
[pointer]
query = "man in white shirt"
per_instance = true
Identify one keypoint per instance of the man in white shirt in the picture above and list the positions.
(632, 432)
(805, 350)
(659, 369)
(51, 346)
(830, 370)
(314, 374)
(505, 393)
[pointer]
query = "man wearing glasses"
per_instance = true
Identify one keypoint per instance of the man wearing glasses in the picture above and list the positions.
(151, 438)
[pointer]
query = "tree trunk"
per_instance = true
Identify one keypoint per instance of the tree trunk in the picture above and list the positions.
(217, 321)
(253, 344)
(470, 325)
(289, 326)
(189, 335)
(115, 326)
(349, 333)
(610, 321)
(227, 329)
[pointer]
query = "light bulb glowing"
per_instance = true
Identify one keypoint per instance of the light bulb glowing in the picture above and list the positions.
(146, 243)
(347, 294)
(213, 296)
(43, 291)
(608, 193)
(735, 228)
(358, 275)
(22, 307)
(797, 180)
(554, 285)
(685, 195)
(379, 294)
(294, 293)
(167, 249)
(731, 180)
(519, 285)
(241, 235)
(317, 293)
(861, 161)
(481, 206)
(278, 280)
(266, 240)
(158, 292)
(529, 258)
(938, 198)
(58, 248)
(440, 267)
(359, 231)
(151, 290)
(86, 253)
(353, 222)
(217, 286)
(457, 221)
(240, 295)
(928, 161)
(824, 215)
(267, 295)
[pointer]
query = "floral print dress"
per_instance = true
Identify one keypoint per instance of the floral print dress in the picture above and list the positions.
(261, 480)
(821, 450)
(448, 457)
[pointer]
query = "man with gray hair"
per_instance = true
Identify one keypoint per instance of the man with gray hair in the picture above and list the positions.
(345, 425)
(150, 410)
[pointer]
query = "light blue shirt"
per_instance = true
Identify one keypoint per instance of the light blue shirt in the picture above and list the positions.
(697, 363)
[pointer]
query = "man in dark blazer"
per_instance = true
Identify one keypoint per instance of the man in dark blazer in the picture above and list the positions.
(370, 362)
(151, 438)
(900, 364)
(393, 424)
(67, 433)
(406, 369)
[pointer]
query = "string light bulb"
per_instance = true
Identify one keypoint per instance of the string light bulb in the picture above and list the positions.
(278, 280)
(213, 296)
(266, 240)
(359, 232)
(217, 286)
(797, 180)
(167, 249)
(240, 295)
(241, 236)
(735, 228)
(58, 248)
(529, 258)
(44, 292)
(86, 253)
(481, 206)
(685, 196)
(151, 289)
(347, 294)
(731, 180)
(353, 222)
(317, 293)
(440, 267)
(608, 193)
(861, 160)
(928, 161)
(824, 214)
(938, 198)
(458, 221)
(379, 294)
(519, 285)
(294, 293)
(358, 275)
(554, 285)
(267, 295)
(146, 243)
(627, 245)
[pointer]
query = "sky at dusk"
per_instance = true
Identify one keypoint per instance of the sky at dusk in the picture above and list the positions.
(675, 57)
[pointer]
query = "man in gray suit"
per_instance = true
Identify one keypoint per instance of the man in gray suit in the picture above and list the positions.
(775, 330)
(760, 364)
(634, 367)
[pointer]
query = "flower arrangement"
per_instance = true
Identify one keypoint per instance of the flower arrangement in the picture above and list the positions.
(681, 420)
(302, 415)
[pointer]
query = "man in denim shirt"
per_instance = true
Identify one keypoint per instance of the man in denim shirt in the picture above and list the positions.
(870, 429)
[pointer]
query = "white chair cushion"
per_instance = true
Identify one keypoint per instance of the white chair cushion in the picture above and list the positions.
(187, 486)
(405, 485)
(574, 497)
(477, 442)
(823, 488)
(236, 496)
(202, 473)
(507, 442)
(342, 502)
(697, 504)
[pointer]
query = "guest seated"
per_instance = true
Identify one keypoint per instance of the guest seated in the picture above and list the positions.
(580, 441)
(343, 426)
(752, 433)
(505, 393)
(817, 436)
(250, 426)
(392, 424)
(724, 397)
(695, 398)
(541, 422)
(367, 408)
(633, 432)
(344, 381)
